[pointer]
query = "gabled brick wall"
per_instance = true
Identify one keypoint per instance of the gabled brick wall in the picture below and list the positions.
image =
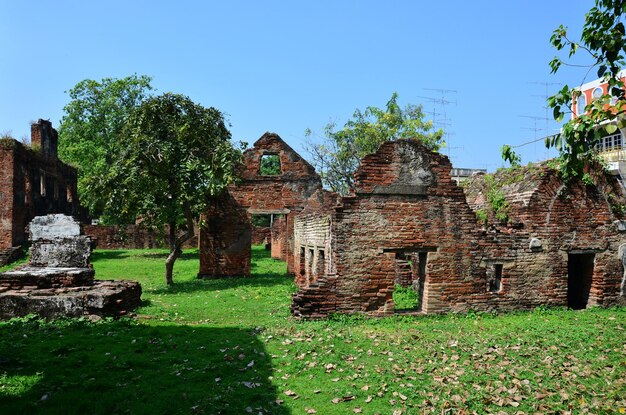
(285, 194)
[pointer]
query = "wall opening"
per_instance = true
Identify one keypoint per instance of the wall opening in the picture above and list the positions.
(579, 278)
(309, 260)
(302, 261)
(42, 184)
(495, 282)
(270, 165)
(420, 281)
(320, 263)
(410, 278)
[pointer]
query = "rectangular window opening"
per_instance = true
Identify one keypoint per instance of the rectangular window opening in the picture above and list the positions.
(495, 283)
(309, 261)
(42, 184)
(321, 261)
(302, 261)
(270, 165)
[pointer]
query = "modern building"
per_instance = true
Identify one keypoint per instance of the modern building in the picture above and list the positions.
(612, 147)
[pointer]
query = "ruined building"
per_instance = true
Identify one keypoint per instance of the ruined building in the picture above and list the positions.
(408, 220)
(32, 182)
(282, 192)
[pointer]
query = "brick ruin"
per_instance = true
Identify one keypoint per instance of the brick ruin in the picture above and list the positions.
(408, 222)
(32, 182)
(59, 280)
(226, 231)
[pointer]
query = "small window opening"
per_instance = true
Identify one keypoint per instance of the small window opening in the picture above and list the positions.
(270, 165)
(597, 93)
(319, 267)
(302, 261)
(309, 260)
(42, 184)
(70, 197)
(495, 283)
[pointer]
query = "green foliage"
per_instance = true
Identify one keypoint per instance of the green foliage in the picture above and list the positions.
(604, 42)
(405, 298)
(508, 154)
(90, 130)
(228, 346)
(338, 157)
(270, 165)
(617, 207)
(495, 197)
(261, 221)
(482, 216)
(587, 179)
(176, 156)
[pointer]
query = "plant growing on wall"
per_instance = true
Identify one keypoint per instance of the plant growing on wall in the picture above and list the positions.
(496, 200)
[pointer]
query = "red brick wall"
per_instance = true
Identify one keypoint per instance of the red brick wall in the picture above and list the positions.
(278, 238)
(405, 202)
(261, 235)
(129, 237)
(225, 240)
(258, 194)
(6, 189)
(22, 169)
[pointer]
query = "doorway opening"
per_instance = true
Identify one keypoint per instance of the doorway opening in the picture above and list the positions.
(579, 278)
(410, 278)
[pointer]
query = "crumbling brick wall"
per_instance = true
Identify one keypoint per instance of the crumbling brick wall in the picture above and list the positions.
(278, 238)
(281, 194)
(33, 182)
(261, 235)
(405, 203)
(225, 239)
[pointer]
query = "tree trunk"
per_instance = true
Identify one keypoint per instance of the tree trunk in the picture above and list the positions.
(176, 244)
(169, 265)
(174, 254)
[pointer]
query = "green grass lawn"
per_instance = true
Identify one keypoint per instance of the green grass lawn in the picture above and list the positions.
(230, 347)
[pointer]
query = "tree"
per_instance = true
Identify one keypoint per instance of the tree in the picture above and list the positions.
(604, 42)
(177, 154)
(338, 157)
(90, 130)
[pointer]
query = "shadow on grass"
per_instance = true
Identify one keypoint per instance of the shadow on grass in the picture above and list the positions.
(208, 284)
(163, 255)
(120, 254)
(108, 255)
(124, 367)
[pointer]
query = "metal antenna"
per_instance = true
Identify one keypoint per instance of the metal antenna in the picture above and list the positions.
(545, 97)
(443, 123)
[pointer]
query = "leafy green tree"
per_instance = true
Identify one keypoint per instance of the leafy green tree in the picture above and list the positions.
(604, 43)
(90, 130)
(338, 157)
(176, 155)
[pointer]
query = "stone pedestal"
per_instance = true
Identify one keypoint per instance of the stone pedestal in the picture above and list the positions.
(59, 280)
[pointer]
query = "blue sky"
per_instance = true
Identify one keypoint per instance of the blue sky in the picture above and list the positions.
(287, 66)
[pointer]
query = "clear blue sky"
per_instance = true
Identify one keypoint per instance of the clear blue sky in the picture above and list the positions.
(286, 66)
